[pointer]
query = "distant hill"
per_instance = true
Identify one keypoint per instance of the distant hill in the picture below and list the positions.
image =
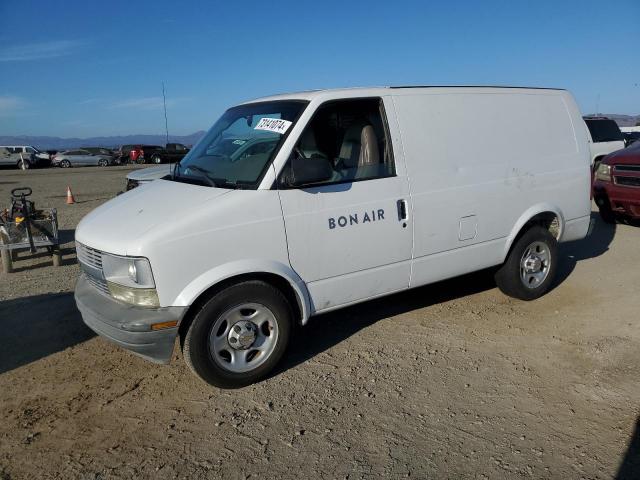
(621, 120)
(57, 143)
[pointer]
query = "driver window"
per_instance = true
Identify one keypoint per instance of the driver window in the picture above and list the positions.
(350, 137)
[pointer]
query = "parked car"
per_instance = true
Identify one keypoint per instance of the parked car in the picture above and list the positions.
(172, 152)
(77, 158)
(99, 151)
(605, 136)
(31, 155)
(616, 189)
(122, 154)
(361, 193)
(631, 137)
(146, 175)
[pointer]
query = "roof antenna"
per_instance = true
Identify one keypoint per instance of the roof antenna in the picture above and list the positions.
(166, 124)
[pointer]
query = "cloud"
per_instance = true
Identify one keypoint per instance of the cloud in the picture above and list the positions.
(9, 105)
(90, 101)
(38, 51)
(145, 103)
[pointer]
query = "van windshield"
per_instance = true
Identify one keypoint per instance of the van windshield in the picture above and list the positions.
(236, 151)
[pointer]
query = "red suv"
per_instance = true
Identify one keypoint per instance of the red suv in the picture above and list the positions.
(616, 187)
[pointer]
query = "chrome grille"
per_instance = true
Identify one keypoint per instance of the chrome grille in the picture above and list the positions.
(99, 283)
(628, 181)
(627, 168)
(89, 256)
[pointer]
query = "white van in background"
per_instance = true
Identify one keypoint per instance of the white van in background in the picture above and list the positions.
(605, 137)
(146, 175)
(342, 196)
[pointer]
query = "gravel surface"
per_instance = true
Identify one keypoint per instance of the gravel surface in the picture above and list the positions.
(453, 380)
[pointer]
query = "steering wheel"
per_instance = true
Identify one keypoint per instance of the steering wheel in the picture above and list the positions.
(298, 151)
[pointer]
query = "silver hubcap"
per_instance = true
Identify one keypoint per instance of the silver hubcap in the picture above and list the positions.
(535, 264)
(243, 337)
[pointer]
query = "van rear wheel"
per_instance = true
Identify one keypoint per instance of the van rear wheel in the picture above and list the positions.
(530, 269)
(239, 335)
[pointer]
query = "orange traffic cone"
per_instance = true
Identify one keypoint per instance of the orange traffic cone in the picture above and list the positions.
(70, 199)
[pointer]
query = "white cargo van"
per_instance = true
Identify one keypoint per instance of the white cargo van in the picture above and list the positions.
(344, 196)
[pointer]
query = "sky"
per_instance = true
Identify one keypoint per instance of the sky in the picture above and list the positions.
(95, 68)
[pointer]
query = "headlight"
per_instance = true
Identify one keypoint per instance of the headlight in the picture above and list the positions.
(130, 280)
(603, 173)
(143, 297)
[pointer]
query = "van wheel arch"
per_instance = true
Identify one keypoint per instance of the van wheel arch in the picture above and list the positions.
(278, 282)
(548, 219)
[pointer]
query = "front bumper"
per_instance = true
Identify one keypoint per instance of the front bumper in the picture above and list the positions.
(122, 324)
(622, 199)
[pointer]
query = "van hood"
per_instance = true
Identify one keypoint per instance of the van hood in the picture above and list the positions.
(151, 173)
(117, 225)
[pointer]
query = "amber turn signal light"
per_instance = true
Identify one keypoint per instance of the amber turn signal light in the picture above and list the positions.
(163, 325)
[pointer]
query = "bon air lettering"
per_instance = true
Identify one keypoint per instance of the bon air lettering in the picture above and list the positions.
(356, 219)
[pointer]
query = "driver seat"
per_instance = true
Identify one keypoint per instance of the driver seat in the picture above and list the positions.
(359, 151)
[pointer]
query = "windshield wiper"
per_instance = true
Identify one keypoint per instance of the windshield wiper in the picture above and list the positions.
(237, 185)
(205, 174)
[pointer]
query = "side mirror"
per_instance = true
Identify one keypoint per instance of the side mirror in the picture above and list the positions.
(307, 171)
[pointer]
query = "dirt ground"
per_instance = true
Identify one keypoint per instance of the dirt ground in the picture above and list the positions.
(453, 380)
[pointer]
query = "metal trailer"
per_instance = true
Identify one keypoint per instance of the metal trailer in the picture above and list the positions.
(24, 228)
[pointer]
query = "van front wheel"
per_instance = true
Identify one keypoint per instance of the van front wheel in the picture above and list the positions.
(530, 269)
(239, 335)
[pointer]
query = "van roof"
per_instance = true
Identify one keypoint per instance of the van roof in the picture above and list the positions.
(385, 90)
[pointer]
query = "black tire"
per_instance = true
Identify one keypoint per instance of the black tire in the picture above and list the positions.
(103, 162)
(65, 164)
(141, 161)
(195, 342)
(604, 208)
(509, 278)
(157, 159)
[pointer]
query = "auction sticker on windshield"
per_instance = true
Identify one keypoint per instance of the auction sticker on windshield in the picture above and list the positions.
(276, 125)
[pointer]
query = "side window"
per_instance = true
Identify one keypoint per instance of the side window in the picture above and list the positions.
(345, 141)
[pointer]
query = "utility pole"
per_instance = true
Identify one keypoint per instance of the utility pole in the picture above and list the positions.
(166, 124)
